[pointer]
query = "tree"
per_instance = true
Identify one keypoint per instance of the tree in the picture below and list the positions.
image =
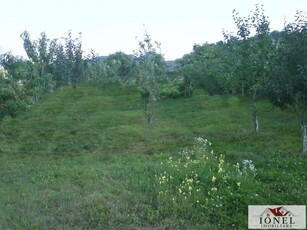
(212, 67)
(97, 70)
(119, 67)
(59, 65)
(254, 54)
(233, 60)
(186, 72)
(288, 82)
(40, 53)
(74, 56)
(151, 67)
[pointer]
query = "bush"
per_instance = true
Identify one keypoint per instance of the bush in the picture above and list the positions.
(169, 91)
(199, 186)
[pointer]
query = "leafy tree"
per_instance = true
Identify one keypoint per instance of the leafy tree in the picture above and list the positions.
(288, 82)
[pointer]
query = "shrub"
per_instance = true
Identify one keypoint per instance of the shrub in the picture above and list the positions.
(182, 88)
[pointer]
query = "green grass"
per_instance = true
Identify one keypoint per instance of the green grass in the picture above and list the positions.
(80, 159)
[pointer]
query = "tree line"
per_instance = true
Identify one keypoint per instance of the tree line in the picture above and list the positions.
(250, 61)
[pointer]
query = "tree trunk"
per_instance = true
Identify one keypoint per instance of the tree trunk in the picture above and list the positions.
(74, 80)
(255, 112)
(1, 116)
(304, 138)
(149, 113)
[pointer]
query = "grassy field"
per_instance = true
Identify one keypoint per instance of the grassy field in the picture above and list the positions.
(80, 159)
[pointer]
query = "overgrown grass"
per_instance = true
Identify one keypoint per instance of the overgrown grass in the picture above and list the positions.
(80, 159)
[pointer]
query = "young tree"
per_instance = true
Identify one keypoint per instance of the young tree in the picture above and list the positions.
(150, 66)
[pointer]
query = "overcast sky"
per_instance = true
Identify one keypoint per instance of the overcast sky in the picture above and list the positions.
(109, 26)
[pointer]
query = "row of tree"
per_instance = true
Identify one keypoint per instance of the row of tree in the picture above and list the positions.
(50, 64)
(61, 62)
(252, 61)
(257, 62)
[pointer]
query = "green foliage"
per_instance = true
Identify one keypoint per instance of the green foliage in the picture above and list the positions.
(209, 66)
(50, 64)
(150, 65)
(56, 64)
(241, 63)
(59, 67)
(214, 69)
(253, 52)
(15, 90)
(117, 67)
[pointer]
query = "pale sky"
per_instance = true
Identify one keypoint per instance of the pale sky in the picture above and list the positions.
(109, 26)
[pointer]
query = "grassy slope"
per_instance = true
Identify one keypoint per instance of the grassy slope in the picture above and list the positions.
(80, 159)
